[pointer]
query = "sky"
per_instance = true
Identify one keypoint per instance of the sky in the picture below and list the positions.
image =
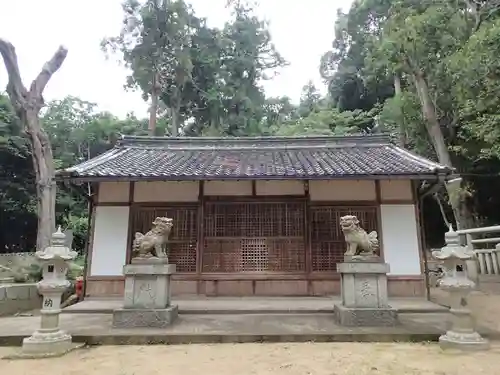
(302, 31)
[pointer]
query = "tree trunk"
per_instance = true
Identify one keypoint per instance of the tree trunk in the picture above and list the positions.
(175, 115)
(27, 104)
(397, 93)
(433, 127)
(43, 162)
(175, 123)
(457, 197)
(154, 104)
(397, 85)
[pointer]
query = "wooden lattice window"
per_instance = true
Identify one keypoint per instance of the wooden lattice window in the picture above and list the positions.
(183, 238)
(327, 240)
(254, 237)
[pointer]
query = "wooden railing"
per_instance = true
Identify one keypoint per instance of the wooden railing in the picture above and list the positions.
(487, 259)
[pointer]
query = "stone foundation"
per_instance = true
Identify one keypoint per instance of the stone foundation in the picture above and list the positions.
(365, 300)
(365, 317)
(243, 286)
(140, 318)
(146, 301)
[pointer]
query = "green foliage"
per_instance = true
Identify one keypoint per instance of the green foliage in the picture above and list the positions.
(17, 191)
(351, 85)
(155, 43)
(75, 269)
(475, 74)
(403, 114)
(208, 77)
(209, 82)
(326, 122)
(77, 132)
(29, 274)
(34, 272)
(431, 67)
(79, 226)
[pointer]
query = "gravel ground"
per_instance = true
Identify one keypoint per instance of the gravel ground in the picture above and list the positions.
(262, 359)
(276, 359)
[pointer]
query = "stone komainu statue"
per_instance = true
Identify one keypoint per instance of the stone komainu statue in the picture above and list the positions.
(153, 243)
(359, 243)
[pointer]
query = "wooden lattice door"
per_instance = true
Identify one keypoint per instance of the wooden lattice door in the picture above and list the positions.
(182, 241)
(254, 237)
(327, 240)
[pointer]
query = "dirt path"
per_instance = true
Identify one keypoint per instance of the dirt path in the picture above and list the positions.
(261, 359)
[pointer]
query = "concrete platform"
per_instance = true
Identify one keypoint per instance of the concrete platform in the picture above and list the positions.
(254, 305)
(96, 329)
(234, 320)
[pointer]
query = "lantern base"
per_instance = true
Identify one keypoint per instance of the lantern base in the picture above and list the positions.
(468, 341)
(47, 344)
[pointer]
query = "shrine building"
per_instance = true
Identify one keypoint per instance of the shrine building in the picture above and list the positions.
(255, 216)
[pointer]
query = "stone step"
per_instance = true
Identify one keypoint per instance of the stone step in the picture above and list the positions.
(235, 306)
(96, 329)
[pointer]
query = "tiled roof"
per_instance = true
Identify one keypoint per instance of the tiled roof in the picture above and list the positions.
(264, 158)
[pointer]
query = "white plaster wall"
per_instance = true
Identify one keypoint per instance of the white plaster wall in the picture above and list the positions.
(166, 191)
(286, 187)
(114, 192)
(396, 190)
(400, 238)
(227, 188)
(109, 247)
(342, 190)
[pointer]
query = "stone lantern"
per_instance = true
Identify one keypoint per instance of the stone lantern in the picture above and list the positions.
(49, 340)
(462, 334)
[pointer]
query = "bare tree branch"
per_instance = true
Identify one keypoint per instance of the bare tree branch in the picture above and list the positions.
(482, 10)
(15, 87)
(27, 105)
(493, 8)
(49, 68)
(475, 8)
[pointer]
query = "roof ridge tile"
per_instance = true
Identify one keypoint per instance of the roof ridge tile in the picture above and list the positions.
(254, 142)
(321, 160)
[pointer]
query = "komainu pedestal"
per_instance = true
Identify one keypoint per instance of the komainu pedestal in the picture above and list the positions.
(147, 301)
(364, 295)
(363, 280)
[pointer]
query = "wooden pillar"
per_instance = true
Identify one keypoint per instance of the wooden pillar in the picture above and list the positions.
(200, 237)
(93, 201)
(424, 265)
(131, 213)
(379, 217)
(307, 236)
